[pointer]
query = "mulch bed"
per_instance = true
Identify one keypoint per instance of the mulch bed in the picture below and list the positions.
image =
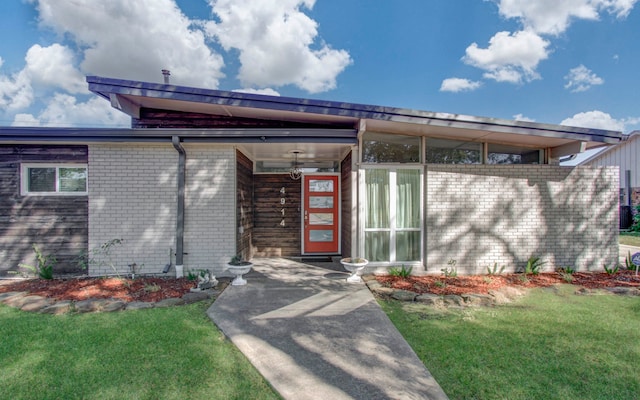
(482, 284)
(148, 289)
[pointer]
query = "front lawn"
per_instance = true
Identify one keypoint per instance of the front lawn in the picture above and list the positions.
(551, 344)
(163, 353)
(630, 238)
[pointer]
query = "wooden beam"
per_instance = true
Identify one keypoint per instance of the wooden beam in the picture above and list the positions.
(568, 149)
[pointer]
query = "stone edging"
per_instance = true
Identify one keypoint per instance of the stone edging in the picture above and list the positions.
(26, 302)
(495, 297)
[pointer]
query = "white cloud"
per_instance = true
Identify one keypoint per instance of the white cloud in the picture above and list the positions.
(53, 66)
(16, 92)
(510, 57)
(459, 85)
(65, 110)
(267, 91)
(595, 119)
(135, 40)
(553, 17)
(581, 79)
(520, 117)
(276, 45)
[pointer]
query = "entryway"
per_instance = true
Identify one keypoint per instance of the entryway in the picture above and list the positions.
(321, 214)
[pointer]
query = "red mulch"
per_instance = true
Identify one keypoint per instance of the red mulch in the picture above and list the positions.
(148, 289)
(483, 283)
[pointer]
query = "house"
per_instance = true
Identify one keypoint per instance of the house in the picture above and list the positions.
(203, 175)
(625, 156)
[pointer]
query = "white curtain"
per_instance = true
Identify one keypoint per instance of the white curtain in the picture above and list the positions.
(377, 214)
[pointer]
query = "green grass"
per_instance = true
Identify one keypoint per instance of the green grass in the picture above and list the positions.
(545, 346)
(168, 353)
(630, 238)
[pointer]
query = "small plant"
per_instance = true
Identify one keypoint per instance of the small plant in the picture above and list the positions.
(403, 272)
(495, 270)
(440, 284)
(533, 265)
(487, 280)
(611, 270)
(192, 276)
(101, 256)
(567, 277)
(237, 260)
(567, 270)
(628, 264)
(450, 271)
(523, 278)
(152, 287)
(44, 267)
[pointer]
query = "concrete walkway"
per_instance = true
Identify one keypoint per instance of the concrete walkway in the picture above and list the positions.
(314, 336)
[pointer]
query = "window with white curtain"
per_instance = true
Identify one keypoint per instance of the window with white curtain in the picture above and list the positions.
(393, 215)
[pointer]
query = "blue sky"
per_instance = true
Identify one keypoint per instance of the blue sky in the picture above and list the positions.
(573, 62)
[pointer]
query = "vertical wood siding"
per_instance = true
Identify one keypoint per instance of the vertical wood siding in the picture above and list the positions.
(58, 225)
(270, 238)
(346, 205)
(244, 217)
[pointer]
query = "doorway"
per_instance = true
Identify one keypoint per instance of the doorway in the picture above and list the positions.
(321, 214)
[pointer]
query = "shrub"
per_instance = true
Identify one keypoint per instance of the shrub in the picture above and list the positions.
(403, 272)
(495, 270)
(611, 270)
(44, 267)
(450, 271)
(533, 265)
(636, 220)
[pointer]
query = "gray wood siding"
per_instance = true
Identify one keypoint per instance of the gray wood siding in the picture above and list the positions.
(269, 237)
(244, 217)
(58, 225)
(624, 155)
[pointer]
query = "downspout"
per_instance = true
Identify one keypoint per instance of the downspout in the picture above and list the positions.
(182, 156)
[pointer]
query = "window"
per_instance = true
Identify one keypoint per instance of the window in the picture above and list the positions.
(54, 179)
(393, 215)
(504, 154)
(443, 151)
(386, 148)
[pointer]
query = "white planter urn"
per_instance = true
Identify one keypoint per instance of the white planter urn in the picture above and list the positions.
(238, 270)
(355, 265)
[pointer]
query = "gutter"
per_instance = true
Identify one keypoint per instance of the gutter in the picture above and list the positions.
(182, 156)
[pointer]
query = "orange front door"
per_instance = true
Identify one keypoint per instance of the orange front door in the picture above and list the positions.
(321, 214)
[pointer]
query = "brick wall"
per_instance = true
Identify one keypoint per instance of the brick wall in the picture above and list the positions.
(132, 196)
(481, 215)
(210, 216)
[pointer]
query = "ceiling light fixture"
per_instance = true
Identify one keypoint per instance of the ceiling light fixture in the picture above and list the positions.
(295, 172)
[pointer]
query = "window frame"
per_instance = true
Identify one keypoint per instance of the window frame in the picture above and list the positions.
(24, 179)
(393, 229)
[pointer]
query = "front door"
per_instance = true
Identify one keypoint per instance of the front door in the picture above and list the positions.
(321, 214)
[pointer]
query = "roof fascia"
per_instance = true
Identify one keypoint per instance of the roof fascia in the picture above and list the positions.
(108, 86)
(79, 135)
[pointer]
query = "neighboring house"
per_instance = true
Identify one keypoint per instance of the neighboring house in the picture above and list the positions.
(203, 175)
(625, 156)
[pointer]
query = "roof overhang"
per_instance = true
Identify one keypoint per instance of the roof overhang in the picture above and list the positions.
(131, 96)
(329, 117)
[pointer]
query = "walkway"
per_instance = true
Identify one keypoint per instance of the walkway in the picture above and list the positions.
(314, 336)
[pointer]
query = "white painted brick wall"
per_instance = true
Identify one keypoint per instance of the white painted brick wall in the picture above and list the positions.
(481, 215)
(132, 196)
(210, 205)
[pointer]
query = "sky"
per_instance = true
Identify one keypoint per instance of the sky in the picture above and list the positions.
(571, 62)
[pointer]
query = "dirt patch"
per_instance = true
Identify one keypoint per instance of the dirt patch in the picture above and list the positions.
(148, 289)
(482, 284)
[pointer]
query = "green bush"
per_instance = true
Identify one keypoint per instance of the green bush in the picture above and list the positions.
(44, 267)
(533, 265)
(403, 272)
